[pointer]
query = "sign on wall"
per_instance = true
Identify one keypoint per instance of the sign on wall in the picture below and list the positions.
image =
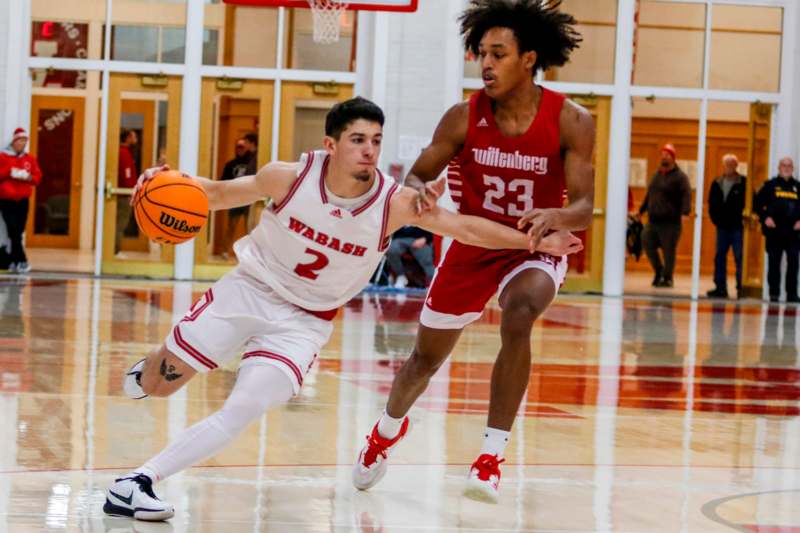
(638, 172)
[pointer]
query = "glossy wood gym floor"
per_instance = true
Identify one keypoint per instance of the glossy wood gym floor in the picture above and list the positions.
(642, 415)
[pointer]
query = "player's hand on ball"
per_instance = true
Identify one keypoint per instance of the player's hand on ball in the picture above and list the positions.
(541, 222)
(560, 243)
(146, 176)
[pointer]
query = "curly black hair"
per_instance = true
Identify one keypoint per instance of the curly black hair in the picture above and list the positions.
(538, 25)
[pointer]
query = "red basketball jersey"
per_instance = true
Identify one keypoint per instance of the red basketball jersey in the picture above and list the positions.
(501, 178)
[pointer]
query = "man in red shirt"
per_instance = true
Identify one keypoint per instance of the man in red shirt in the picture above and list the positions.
(127, 174)
(19, 174)
(517, 147)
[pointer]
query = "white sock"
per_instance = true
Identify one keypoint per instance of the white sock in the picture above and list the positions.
(495, 441)
(145, 470)
(389, 427)
(257, 388)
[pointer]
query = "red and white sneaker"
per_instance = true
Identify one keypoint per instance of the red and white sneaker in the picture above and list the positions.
(484, 478)
(371, 464)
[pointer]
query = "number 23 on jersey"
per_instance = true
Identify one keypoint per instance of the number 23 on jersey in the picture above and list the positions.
(514, 199)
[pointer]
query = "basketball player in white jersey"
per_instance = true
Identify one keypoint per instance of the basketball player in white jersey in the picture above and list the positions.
(320, 239)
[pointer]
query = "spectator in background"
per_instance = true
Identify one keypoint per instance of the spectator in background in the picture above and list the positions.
(417, 242)
(127, 171)
(19, 174)
(778, 207)
(251, 142)
(237, 167)
(725, 207)
(668, 197)
(633, 233)
(162, 157)
(127, 174)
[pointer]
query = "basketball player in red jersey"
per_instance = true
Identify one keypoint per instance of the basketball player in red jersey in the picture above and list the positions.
(518, 146)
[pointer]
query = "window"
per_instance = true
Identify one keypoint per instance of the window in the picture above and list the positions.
(746, 48)
(669, 44)
(60, 39)
(593, 61)
(149, 30)
(304, 53)
(249, 38)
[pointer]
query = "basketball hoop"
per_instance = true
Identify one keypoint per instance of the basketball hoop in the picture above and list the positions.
(326, 19)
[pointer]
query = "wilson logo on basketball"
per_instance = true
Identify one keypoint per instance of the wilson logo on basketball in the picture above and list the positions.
(170, 221)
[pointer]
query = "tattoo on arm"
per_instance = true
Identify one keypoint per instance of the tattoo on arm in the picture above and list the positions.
(168, 372)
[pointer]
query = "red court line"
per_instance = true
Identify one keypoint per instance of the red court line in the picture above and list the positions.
(773, 529)
(397, 465)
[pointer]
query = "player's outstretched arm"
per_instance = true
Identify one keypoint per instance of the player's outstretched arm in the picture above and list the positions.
(272, 181)
(447, 141)
(475, 231)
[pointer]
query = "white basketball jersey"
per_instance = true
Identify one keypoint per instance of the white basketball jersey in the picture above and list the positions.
(314, 254)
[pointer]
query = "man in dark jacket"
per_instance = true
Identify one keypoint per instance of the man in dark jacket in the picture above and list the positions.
(668, 197)
(778, 207)
(725, 207)
(243, 164)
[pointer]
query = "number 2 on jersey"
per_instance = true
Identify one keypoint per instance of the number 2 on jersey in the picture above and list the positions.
(310, 270)
(498, 191)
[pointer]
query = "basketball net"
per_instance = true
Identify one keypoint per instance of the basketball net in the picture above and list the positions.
(326, 19)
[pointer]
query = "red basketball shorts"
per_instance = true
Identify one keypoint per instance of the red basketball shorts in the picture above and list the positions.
(468, 277)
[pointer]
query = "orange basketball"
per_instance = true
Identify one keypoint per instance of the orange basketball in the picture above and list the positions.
(171, 208)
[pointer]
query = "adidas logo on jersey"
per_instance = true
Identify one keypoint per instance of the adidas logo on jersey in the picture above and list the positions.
(482, 123)
(337, 213)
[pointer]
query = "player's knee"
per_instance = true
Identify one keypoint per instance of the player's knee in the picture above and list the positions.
(519, 313)
(424, 364)
(234, 417)
(240, 411)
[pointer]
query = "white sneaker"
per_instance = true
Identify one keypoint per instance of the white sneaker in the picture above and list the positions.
(484, 479)
(23, 268)
(400, 282)
(131, 384)
(134, 497)
(371, 464)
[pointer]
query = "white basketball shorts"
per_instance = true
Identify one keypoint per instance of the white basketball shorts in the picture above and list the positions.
(240, 315)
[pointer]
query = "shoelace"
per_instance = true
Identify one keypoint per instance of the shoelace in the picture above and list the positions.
(373, 449)
(146, 484)
(488, 465)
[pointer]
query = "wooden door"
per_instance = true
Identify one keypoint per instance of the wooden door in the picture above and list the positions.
(151, 107)
(229, 112)
(57, 142)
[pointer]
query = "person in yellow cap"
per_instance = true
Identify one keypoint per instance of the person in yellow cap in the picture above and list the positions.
(668, 198)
